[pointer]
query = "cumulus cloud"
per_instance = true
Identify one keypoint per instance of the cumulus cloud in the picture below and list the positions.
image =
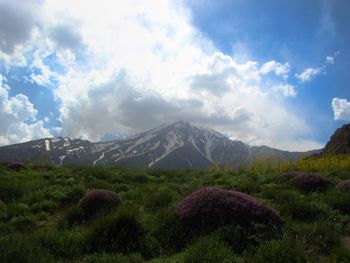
(67, 37)
(276, 67)
(308, 74)
(341, 109)
(287, 90)
(18, 118)
(17, 21)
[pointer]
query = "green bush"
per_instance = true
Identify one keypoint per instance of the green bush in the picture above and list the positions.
(44, 205)
(24, 224)
(64, 244)
(99, 201)
(112, 258)
(340, 255)
(304, 210)
(209, 250)
(17, 209)
(73, 195)
(19, 248)
(240, 239)
(171, 234)
(11, 188)
(280, 251)
(3, 211)
(321, 237)
(159, 198)
(278, 194)
(72, 217)
(339, 201)
(121, 232)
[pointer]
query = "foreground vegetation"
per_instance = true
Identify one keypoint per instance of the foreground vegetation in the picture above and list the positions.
(42, 218)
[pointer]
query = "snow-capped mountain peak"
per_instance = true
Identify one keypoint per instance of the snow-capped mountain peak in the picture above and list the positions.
(175, 145)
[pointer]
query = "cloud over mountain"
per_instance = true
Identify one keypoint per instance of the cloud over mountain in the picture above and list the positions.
(127, 67)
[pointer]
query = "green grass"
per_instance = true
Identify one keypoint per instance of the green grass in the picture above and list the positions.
(41, 221)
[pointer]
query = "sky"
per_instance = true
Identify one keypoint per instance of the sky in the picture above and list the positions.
(264, 72)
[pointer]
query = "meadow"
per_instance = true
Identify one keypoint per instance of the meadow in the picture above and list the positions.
(42, 218)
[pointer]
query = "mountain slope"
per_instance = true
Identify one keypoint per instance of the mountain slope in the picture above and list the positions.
(339, 142)
(176, 146)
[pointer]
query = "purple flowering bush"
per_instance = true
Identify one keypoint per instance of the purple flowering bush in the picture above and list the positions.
(343, 186)
(99, 200)
(15, 165)
(284, 177)
(212, 207)
(310, 182)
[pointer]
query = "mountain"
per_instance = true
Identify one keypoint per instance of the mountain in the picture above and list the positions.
(339, 142)
(179, 145)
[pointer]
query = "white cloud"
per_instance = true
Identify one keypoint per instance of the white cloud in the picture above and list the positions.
(17, 21)
(308, 74)
(18, 118)
(44, 78)
(287, 90)
(341, 109)
(145, 64)
(278, 68)
(330, 60)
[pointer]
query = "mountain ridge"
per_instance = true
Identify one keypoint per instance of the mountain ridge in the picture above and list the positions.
(178, 145)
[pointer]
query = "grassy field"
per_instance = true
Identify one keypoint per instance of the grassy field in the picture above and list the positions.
(41, 219)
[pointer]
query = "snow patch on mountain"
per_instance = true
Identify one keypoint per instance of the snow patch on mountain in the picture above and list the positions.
(47, 145)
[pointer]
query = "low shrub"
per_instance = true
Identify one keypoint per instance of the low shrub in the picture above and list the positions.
(340, 255)
(159, 198)
(320, 238)
(240, 239)
(44, 206)
(64, 244)
(23, 248)
(343, 186)
(171, 234)
(16, 166)
(209, 208)
(304, 210)
(339, 201)
(278, 194)
(11, 189)
(99, 200)
(121, 232)
(210, 250)
(24, 224)
(280, 251)
(236, 238)
(3, 211)
(113, 258)
(310, 182)
(285, 177)
(17, 209)
(74, 216)
(73, 195)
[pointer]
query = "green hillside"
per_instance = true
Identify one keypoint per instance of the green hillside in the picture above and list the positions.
(42, 217)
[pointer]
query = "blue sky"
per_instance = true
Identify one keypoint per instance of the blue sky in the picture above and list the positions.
(264, 72)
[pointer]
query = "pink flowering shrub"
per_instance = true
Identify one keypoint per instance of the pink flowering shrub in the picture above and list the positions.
(15, 165)
(284, 177)
(212, 207)
(343, 186)
(309, 182)
(99, 200)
